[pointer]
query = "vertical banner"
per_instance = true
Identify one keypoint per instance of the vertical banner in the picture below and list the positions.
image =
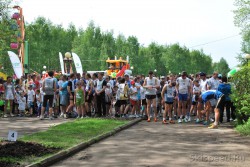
(61, 62)
(77, 63)
(16, 64)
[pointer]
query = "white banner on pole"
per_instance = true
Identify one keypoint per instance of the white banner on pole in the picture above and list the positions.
(16, 64)
(61, 62)
(77, 63)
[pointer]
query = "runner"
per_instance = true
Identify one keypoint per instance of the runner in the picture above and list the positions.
(183, 88)
(49, 88)
(151, 84)
(167, 95)
(206, 98)
(71, 90)
(64, 97)
(79, 99)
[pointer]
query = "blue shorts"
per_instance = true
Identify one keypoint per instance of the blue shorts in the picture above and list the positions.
(169, 100)
(183, 97)
(30, 104)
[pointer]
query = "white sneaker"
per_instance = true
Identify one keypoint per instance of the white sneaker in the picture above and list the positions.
(82, 117)
(131, 116)
(179, 120)
(12, 115)
(77, 117)
(5, 116)
(211, 120)
(61, 116)
(51, 118)
(185, 119)
(189, 119)
(41, 117)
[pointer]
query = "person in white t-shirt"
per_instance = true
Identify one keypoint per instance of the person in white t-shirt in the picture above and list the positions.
(133, 98)
(196, 91)
(151, 84)
(183, 89)
(31, 98)
(21, 103)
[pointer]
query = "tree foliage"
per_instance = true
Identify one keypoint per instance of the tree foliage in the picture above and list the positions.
(222, 67)
(94, 46)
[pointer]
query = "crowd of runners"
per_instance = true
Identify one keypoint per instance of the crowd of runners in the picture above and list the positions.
(172, 98)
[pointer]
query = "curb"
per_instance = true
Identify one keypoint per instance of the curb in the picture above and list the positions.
(68, 152)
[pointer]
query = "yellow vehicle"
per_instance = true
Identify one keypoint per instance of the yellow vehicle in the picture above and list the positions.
(117, 68)
(4, 76)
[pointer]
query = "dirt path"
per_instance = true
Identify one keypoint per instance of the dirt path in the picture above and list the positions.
(155, 145)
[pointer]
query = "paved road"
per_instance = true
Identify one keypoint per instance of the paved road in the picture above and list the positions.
(156, 145)
(24, 125)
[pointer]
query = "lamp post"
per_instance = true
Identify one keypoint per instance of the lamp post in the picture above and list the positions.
(247, 57)
(68, 63)
(155, 71)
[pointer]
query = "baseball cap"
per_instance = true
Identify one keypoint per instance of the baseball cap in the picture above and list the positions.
(132, 82)
(202, 74)
(126, 74)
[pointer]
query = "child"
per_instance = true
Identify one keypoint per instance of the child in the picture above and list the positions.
(133, 98)
(31, 98)
(108, 99)
(21, 103)
(196, 91)
(79, 100)
(38, 102)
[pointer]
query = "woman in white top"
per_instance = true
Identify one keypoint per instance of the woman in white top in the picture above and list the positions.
(9, 95)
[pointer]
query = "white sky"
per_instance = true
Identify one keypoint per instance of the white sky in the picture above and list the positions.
(188, 22)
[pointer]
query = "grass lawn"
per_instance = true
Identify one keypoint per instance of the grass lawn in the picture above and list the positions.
(69, 134)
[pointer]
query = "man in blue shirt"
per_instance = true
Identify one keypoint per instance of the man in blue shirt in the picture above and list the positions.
(206, 97)
(64, 96)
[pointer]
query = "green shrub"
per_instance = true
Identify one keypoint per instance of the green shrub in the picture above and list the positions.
(244, 129)
(241, 94)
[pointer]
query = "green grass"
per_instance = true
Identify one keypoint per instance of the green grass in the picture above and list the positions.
(244, 129)
(72, 133)
(66, 135)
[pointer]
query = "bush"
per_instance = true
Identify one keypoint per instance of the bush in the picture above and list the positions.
(245, 128)
(241, 94)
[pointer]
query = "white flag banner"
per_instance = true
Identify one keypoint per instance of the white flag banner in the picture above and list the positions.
(16, 64)
(61, 62)
(77, 63)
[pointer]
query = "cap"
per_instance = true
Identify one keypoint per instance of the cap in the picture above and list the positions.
(202, 74)
(219, 76)
(132, 82)
(126, 74)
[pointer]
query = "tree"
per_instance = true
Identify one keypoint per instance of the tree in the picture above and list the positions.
(7, 35)
(222, 67)
(241, 19)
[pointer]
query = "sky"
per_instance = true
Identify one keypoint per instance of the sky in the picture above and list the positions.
(187, 22)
